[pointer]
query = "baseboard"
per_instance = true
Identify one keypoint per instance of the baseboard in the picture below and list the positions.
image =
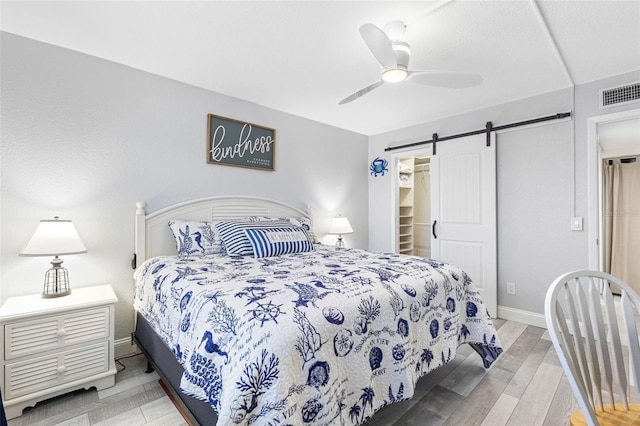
(124, 347)
(525, 317)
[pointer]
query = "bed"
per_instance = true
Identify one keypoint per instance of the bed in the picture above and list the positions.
(285, 331)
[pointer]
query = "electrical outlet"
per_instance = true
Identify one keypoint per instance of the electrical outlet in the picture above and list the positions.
(511, 288)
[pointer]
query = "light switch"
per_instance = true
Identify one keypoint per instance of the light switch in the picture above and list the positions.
(576, 224)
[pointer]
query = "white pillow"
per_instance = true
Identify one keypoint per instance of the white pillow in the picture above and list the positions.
(196, 238)
(301, 221)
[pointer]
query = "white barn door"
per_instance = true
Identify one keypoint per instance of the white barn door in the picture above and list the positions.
(463, 210)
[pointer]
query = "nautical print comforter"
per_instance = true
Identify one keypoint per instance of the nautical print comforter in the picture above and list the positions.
(324, 337)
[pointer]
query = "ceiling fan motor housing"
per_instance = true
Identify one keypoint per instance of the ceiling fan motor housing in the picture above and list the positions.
(402, 52)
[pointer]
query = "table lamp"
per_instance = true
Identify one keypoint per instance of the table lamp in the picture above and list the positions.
(340, 225)
(54, 238)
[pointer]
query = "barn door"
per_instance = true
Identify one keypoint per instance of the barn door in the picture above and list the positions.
(463, 210)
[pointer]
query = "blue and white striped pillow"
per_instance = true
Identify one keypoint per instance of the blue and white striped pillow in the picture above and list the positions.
(276, 241)
(234, 238)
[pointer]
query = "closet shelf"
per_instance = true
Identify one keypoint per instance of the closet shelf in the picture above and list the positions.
(406, 205)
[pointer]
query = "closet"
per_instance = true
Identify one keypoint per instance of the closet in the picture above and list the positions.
(414, 204)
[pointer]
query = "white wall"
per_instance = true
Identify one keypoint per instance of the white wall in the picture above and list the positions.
(541, 184)
(84, 139)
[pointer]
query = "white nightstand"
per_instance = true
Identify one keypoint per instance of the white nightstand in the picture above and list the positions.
(53, 346)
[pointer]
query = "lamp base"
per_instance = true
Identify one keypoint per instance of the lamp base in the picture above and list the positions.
(340, 243)
(53, 295)
(56, 280)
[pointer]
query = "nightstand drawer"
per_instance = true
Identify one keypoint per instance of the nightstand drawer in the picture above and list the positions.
(35, 374)
(54, 332)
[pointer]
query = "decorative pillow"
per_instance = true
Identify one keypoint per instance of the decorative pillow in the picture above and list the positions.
(195, 238)
(304, 222)
(276, 241)
(234, 238)
(301, 221)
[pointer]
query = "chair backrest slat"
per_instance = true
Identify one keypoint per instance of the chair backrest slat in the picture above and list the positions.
(570, 360)
(589, 341)
(614, 332)
(578, 343)
(634, 337)
(599, 326)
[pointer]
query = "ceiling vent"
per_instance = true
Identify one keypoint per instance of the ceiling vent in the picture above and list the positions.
(621, 95)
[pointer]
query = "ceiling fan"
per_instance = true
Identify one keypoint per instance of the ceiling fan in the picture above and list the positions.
(394, 54)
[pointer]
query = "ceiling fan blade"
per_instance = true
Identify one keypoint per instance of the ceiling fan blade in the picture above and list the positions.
(360, 93)
(445, 79)
(379, 45)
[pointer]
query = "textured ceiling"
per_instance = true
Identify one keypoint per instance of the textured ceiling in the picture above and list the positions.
(303, 57)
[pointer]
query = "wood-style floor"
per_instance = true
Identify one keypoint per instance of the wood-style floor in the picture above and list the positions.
(526, 386)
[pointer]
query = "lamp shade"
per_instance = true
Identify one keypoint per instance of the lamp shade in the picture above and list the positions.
(340, 225)
(53, 238)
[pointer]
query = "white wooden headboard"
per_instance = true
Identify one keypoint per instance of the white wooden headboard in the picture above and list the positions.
(154, 238)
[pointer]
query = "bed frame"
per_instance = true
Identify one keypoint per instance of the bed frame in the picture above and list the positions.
(154, 238)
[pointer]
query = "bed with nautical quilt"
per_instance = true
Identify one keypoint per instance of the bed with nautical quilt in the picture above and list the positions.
(321, 336)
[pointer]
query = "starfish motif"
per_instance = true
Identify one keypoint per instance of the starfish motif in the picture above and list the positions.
(254, 294)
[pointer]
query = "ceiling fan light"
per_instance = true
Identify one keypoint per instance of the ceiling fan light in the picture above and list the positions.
(394, 75)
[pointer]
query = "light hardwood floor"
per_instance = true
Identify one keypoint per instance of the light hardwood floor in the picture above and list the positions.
(526, 386)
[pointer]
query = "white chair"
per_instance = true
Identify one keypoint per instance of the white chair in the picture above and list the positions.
(586, 333)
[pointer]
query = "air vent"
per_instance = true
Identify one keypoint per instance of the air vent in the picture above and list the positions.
(621, 95)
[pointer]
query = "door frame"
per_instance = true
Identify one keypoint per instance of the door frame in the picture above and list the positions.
(426, 150)
(594, 177)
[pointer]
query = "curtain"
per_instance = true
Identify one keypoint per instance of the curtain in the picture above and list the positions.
(621, 180)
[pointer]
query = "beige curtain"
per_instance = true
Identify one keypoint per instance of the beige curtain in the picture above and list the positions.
(622, 219)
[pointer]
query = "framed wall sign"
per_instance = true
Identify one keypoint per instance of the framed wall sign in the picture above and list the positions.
(236, 143)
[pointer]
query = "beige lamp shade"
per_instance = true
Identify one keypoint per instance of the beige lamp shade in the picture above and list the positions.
(53, 238)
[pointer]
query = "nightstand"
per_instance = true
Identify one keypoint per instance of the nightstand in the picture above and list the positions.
(54, 346)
